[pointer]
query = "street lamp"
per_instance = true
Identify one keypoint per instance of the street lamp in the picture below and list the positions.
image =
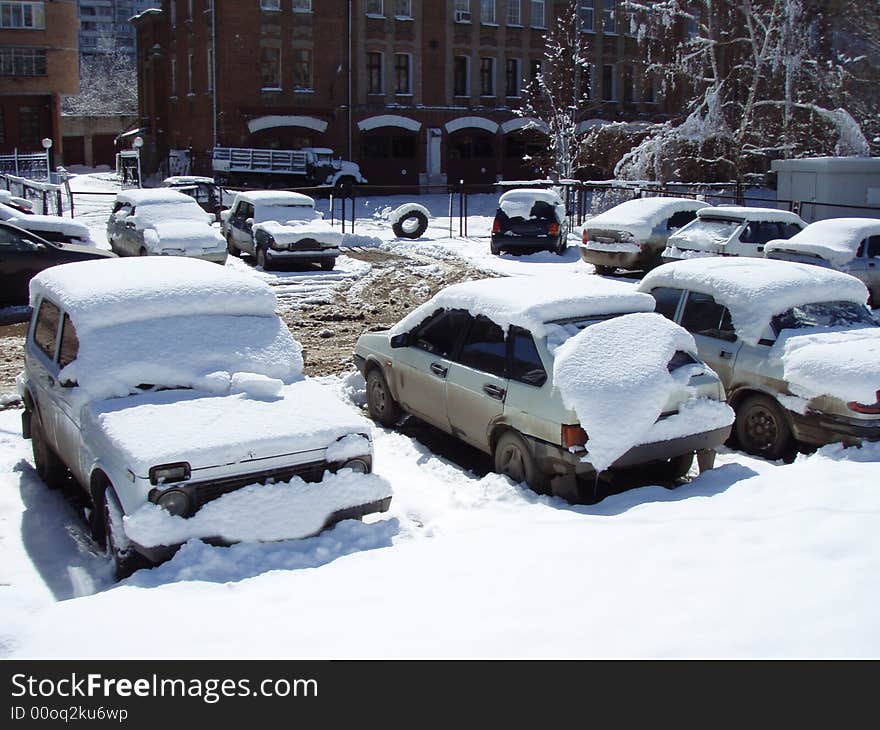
(137, 143)
(47, 145)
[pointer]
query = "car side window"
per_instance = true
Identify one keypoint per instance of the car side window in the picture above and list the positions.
(69, 343)
(484, 347)
(440, 333)
(525, 363)
(790, 229)
(874, 247)
(704, 316)
(667, 301)
(10, 242)
(46, 328)
(761, 231)
(682, 218)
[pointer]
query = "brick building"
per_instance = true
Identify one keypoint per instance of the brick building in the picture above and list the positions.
(38, 63)
(415, 92)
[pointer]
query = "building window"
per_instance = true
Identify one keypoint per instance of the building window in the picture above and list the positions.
(374, 73)
(403, 8)
(189, 9)
(487, 77)
(609, 19)
(302, 69)
(22, 15)
(537, 20)
(487, 11)
(270, 4)
(26, 61)
(650, 93)
(460, 81)
(514, 12)
(629, 83)
(172, 13)
(189, 74)
(270, 67)
(608, 83)
(374, 7)
(512, 77)
(402, 64)
(210, 68)
(29, 126)
(588, 19)
(173, 69)
(302, 6)
(462, 11)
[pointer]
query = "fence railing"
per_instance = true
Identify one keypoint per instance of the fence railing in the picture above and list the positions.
(47, 198)
(32, 165)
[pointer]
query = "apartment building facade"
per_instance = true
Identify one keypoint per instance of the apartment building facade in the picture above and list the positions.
(104, 25)
(38, 63)
(415, 92)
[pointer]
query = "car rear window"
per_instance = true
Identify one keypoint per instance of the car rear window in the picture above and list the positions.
(46, 329)
(823, 314)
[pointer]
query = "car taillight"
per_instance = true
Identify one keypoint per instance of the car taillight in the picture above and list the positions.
(585, 236)
(573, 436)
(496, 225)
(553, 230)
(873, 409)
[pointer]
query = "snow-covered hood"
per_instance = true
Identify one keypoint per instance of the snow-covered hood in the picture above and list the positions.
(183, 235)
(66, 226)
(843, 364)
(208, 430)
(296, 230)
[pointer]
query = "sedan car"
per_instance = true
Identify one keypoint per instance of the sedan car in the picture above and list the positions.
(162, 222)
(795, 346)
(24, 254)
(731, 230)
(530, 220)
(846, 244)
(558, 380)
(632, 235)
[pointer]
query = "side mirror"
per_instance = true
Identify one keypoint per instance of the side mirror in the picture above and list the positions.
(249, 223)
(401, 340)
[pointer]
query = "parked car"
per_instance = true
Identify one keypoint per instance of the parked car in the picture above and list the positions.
(164, 386)
(161, 222)
(484, 361)
(795, 346)
(530, 220)
(203, 190)
(846, 244)
(16, 203)
(50, 227)
(24, 254)
(632, 235)
(731, 230)
(280, 227)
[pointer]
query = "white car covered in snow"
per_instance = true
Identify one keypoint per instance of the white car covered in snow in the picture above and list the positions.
(276, 227)
(174, 395)
(55, 228)
(558, 379)
(846, 244)
(795, 346)
(731, 230)
(163, 222)
(632, 235)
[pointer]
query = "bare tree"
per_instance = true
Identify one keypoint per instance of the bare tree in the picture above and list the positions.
(108, 82)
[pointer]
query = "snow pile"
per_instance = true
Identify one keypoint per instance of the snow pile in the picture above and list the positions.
(641, 216)
(755, 290)
(836, 240)
(845, 365)
(256, 385)
(190, 237)
(533, 302)
(56, 223)
(294, 231)
(260, 512)
(614, 375)
(395, 216)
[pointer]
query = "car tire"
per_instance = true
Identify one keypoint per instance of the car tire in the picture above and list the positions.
(380, 403)
(116, 545)
(328, 264)
(604, 270)
(231, 248)
(674, 468)
(762, 429)
(513, 458)
(49, 467)
(561, 246)
(262, 259)
(143, 252)
(402, 230)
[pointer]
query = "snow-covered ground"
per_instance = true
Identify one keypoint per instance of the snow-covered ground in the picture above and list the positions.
(752, 559)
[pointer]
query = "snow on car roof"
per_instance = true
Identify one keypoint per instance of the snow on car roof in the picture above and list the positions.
(152, 196)
(51, 223)
(532, 302)
(115, 291)
(187, 180)
(739, 212)
(642, 215)
(755, 290)
(836, 240)
(275, 197)
(532, 194)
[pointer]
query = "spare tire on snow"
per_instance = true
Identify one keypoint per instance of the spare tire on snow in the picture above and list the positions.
(410, 221)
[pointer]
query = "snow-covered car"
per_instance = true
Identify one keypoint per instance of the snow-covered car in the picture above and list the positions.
(204, 190)
(328, 169)
(277, 227)
(163, 222)
(174, 395)
(526, 369)
(846, 244)
(795, 346)
(530, 219)
(16, 203)
(731, 230)
(632, 235)
(49, 227)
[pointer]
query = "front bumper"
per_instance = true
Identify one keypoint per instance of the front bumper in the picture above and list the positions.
(215, 257)
(819, 429)
(302, 255)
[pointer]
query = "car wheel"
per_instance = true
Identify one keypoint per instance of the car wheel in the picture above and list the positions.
(674, 468)
(328, 264)
(231, 248)
(762, 429)
(262, 259)
(117, 546)
(561, 245)
(604, 270)
(514, 459)
(49, 467)
(380, 403)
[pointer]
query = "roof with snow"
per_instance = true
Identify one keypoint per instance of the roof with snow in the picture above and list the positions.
(52, 223)
(743, 213)
(836, 240)
(275, 197)
(642, 215)
(755, 290)
(187, 180)
(152, 196)
(531, 194)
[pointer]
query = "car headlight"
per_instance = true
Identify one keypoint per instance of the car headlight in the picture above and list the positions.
(175, 502)
(170, 473)
(359, 466)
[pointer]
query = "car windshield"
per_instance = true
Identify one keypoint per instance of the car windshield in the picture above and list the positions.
(706, 232)
(824, 314)
(283, 213)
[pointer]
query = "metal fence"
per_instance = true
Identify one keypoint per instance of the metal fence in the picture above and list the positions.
(33, 166)
(46, 198)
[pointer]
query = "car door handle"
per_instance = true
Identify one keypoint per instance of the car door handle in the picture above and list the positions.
(493, 391)
(438, 369)
(725, 354)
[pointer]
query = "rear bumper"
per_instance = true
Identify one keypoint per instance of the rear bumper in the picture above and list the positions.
(524, 243)
(818, 429)
(617, 259)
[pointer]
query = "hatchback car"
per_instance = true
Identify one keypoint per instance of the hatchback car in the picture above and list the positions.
(24, 254)
(632, 235)
(530, 220)
(484, 361)
(795, 346)
(846, 244)
(162, 222)
(174, 395)
(731, 230)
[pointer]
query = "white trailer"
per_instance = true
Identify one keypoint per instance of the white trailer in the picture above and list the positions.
(830, 187)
